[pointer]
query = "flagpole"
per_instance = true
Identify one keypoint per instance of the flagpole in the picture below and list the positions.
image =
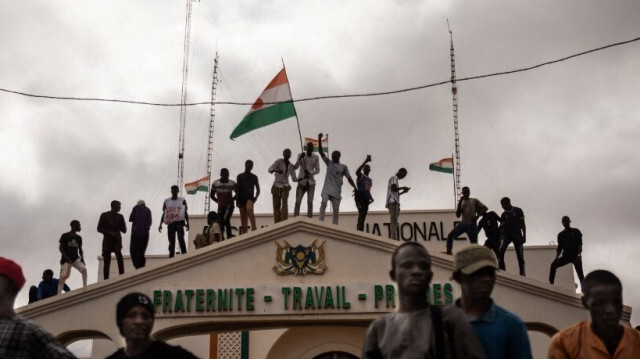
(294, 108)
(455, 190)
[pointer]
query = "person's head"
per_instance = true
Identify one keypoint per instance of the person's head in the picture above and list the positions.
(11, 279)
(75, 225)
(366, 169)
(141, 202)
(248, 166)
(505, 202)
(286, 154)
(411, 269)
(174, 191)
(335, 156)
(224, 174)
(566, 222)
(212, 217)
(135, 317)
(465, 192)
(402, 173)
(47, 275)
(602, 297)
(115, 206)
(474, 268)
(309, 148)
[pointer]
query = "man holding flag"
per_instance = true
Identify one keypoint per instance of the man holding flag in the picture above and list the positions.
(309, 165)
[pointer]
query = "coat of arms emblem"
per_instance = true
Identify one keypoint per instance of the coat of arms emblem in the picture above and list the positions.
(300, 260)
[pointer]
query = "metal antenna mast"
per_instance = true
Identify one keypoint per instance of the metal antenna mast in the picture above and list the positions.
(454, 92)
(183, 100)
(214, 89)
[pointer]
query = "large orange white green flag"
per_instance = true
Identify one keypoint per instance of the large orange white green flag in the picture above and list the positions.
(273, 105)
(316, 148)
(200, 185)
(445, 165)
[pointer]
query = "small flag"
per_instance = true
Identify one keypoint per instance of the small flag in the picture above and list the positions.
(273, 105)
(316, 148)
(445, 165)
(200, 185)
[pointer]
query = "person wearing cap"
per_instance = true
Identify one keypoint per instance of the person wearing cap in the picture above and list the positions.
(135, 318)
(19, 338)
(417, 329)
(501, 333)
(141, 221)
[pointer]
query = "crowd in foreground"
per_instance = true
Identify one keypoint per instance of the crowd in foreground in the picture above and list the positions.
(474, 327)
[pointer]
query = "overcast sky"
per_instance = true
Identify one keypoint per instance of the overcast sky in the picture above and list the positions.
(559, 140)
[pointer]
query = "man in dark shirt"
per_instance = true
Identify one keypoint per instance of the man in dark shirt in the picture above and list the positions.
(135, 318)
(569, 250)
(140, 219)
(72, 255)
(512, 229)
(223, 192)
(363, 193)
(111, 224)
(48, 287)
(246, 182)
(490, 223)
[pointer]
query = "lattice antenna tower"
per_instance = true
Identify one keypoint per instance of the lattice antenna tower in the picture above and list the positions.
(214, 90)
(184, 96)
(456, 135)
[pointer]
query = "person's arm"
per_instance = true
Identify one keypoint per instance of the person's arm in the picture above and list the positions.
(186, 214)
(275, 167)
(123, 224)
(351, 183)
(81, 253)
(524, 228)
(320, 150)
(101, 224)
(459, 208)
(316, 167)
(40, 290)
(64, 254)
(560, 247)
(359, 169)
(164, 206)
(482, 211)
(212, 195)
(579, 243)
(298, 161)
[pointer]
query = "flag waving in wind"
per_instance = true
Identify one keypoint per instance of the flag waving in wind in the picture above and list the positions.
(445, 165)
(316, 148)
(273, 105)
(200, 185)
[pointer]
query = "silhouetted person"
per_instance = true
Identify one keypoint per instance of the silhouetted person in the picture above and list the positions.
(33, 294)
(282, 169)
(332, 189)
(111, 224)
(135, 318)
(211, 233)
(490, 222)
(248, 190)
(48, 287)
(309, 166)
(470, 209)
(72, 256)
(20, 338)
(141, 221)
(603, 336)
(418, 330)
(503, 335)
(176, 215)
(222, 192)
(512, 229)
(394, 190)
(363, 193)
(569, 250)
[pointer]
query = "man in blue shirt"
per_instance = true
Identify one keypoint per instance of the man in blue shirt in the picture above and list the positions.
(501, 333)
(49, 285)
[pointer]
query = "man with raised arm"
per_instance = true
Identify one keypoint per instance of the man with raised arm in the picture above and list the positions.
(332, 189)
(363, 193)
(470, 209)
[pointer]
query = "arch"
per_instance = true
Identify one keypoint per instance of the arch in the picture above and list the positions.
(312, 341)
(544, 328)
(71, 336)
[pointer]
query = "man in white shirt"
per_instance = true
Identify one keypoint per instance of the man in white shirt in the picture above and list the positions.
(309, 165)
(332, 189)
(282, 168)
(393, 201)
(175, 215)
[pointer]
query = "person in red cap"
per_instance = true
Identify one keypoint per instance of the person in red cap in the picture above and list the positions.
(135, 318)
(19, 338)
